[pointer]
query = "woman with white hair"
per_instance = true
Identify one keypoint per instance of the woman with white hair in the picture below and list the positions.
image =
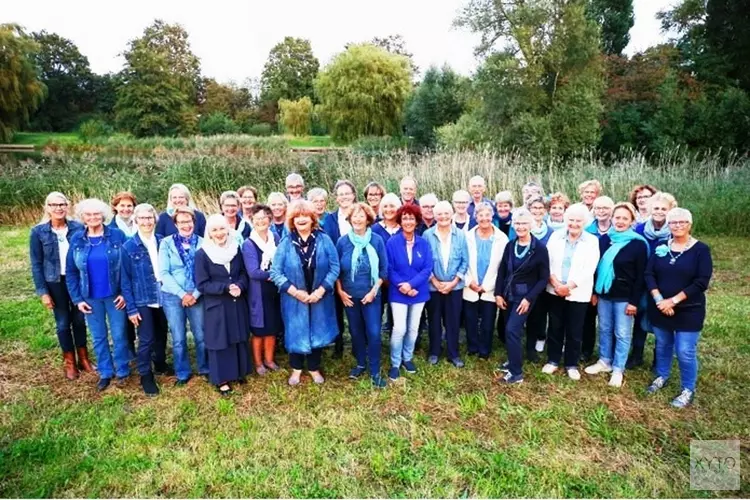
(485, 245)
(295, 187)
(231, 208)
(142, 291)
(450, 263)
(221, 278)
(522, 275)
(93, 269)
(48, 249)
(179, 196)
(677, 277)
(531, 190)
(602, 209)
(461, 218)
(277, 202)
(573, 256)
(504, 213)
(387, 227)
(319, 198)
(589, 191)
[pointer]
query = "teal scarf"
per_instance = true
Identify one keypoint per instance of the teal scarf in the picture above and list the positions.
(363, 243)
(606, 269)
(593, 228)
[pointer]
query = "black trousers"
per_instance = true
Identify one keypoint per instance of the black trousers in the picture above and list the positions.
(480, 321)
(566, 320)
(297, 361)
(339, 348)
(536, 325)
(588, 342)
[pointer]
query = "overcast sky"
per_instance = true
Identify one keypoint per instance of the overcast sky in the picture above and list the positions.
(233, 37)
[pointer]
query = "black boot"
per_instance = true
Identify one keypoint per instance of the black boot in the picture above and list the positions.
(634, 360)
(103, 384)
(149, 385)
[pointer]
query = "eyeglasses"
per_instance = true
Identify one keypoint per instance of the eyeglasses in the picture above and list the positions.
(183, 222)
(643, 197)
(602, 208)
(57, 205)
(428, 206)
(407, 218)
(146, 218)
(374, 195)
(677, 223)
(296, 186)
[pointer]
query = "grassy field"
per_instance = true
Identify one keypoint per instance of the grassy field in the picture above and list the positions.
(40, 139)
(441, 433)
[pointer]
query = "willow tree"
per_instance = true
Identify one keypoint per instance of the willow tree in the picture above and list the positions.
(363, 92)
(21, 92)
(296, 116)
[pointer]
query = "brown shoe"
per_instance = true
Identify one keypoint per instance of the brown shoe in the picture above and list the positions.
(84, 364)
(69, 365)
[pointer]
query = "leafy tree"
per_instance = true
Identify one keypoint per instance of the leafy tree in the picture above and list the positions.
(289, 72)
(363, 92)
(218, 98)
(296, 116)
(104, 94)
(217, 123)
(727, 32)
(21, 91)
(616, 18)
(66, 73)
(439, 99)
(395, 44)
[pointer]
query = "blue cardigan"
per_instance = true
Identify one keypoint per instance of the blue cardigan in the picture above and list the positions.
(417, 274)
(257, 276)
(330, 225)
(526, 281)
(362, 283)
(458, 260)
(307, 326)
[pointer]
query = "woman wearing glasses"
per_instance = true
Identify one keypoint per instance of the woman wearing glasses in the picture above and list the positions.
(639, 198)
(48, 248)
(677, 276)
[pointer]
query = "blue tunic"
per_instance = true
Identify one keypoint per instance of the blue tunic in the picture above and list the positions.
(97, 267)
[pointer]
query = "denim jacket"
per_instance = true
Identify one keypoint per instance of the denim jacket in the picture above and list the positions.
(45, 254)
(458, 261)
(172, 270)
(139, 283)
(77, 277)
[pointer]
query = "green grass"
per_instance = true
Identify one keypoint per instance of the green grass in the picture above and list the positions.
(313, 141)
(41, 139)
(441, 433)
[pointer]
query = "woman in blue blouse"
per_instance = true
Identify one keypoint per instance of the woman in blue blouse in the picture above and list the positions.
(48, 248)
(364, 267)
(677, 277)
(305, 269)
(93, 279)
(179, 196)
(409, 269)
(450, 263)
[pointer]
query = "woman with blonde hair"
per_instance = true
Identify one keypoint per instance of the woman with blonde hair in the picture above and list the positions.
(179, 196)
(589, 191)
(278, 203)
(48, 249)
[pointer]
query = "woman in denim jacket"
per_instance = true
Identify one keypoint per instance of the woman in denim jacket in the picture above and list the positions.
(48, 248)
(180, 298)
(140, 269)
(450, 263)
(93, 278)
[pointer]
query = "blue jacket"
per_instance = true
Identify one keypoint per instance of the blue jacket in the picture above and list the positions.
(458, 261)
(140, 286)
(417, 274)
(526, 281)
(45, 254)
(378, 229)
(361, 285)
(172, 270)
(77, 277)
(166, 227)
(307, 326)
(330, 224)
(256, 278)
(472, 206)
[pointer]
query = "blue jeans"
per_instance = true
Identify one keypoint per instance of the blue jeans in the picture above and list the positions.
(686, 345)
(177, 317)
(364, 325)
(69, 321)
(405, 329)
(480, 323)
(615, 333)
(102, 312)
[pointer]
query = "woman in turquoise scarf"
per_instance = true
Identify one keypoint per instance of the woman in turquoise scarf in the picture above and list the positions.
(364, 267)
(618, 290)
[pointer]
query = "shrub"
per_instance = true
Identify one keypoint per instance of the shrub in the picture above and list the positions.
(296, 116)
(260, 129)
(217, 123)
(93, 129)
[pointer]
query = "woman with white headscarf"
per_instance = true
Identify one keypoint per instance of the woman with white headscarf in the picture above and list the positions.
(220, 276)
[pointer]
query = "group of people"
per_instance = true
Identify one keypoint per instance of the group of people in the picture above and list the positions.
(289, 271)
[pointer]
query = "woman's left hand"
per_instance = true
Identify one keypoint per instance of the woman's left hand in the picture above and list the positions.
(369, 297)
(234, 290)
(631, 310)
(119, 302)
(523, 307)
(666, 307)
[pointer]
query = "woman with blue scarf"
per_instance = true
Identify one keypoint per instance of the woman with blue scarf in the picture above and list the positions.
(655, 230)
(364, 267)
(618, 288)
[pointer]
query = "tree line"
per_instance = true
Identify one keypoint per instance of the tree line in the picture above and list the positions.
(553, 79)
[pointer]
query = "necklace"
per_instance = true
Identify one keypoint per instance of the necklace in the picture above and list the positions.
(100, 238)
(672, 257)
(523, 252)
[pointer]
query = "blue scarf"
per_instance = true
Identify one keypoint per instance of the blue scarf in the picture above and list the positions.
(363, 243)
(187, 255)
(606, 269)
(653, 234)
(554, 226)
(593, 228)
(541, 231)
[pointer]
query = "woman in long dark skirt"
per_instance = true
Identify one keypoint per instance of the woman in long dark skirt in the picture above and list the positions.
(221, 278)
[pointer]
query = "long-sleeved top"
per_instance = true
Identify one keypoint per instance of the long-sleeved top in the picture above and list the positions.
(487, 282)
(473, 205)
(415, 270)
(44, 252)
(652, 242)
(166, 227)
(362, 282)
(524, 279)
(380, 230)
(629, 265)
(458, 256)
(332, 225)
(172, 272)
(140, 286)
(583, 257)
(77, 265)
(257, 277)
(691, 274)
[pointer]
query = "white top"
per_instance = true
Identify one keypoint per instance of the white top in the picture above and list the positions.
(582, 265)
(409, 248)
(445, 249)
(496, 255)
(62, 245)
(153, 254)
(344, 226)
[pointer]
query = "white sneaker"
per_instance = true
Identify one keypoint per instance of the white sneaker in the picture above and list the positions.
(598, 367)
(574, 374)
(539, 346)
(549, 369)
(616, 379)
